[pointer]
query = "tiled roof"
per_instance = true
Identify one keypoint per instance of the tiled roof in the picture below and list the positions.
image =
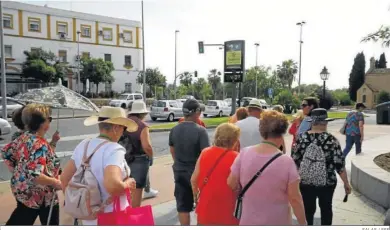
(380, 71)
(371, 87)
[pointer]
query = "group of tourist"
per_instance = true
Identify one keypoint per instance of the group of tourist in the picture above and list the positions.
(244, 177)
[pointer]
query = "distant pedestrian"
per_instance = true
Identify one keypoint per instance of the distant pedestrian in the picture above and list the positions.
(215, 200)
(297, 119)
(139, 152)
(308, 104)
(249, 126)
(317, 154)
(35, 169)
(241, 114)
(17, 120)
(354, 130)
(106, 160)
(267, 201)
(186, 140)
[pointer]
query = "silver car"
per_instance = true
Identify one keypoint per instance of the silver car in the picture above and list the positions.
(166, 109)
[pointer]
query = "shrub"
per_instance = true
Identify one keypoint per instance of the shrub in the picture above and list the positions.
(383, 97)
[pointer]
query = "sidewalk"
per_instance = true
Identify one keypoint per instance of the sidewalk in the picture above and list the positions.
(357, 211)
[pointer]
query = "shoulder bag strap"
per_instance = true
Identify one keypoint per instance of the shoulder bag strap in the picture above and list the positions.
(247, 186)
(87, 159)
(206, 179)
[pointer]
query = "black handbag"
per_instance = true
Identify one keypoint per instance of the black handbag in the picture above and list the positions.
(238, 206)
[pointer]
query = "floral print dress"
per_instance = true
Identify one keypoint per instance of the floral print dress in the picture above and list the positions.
(27, 157)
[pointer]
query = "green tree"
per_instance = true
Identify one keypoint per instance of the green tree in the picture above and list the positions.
(325, 102)
(287, 71)
(97, 71)
(307, 89)
(214, 80)
(341, 96)
(382, 64)
(43, 66)
(356, 77)
(383, 35)
(203, 90)
(383, 97)
(153, 78)
(186, 79)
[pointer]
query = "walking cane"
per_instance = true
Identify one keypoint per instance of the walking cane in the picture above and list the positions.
(52, 203)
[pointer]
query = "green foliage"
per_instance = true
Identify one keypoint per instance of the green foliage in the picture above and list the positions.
(286, 72)
(325, 102)
(203, 90)
(42, 65)
(214, 80)
(341, 97)
(356, 77)
(382, 64)
(186, 79)
(96, 70)
(153, 77)
(383, 97)
(383, 34)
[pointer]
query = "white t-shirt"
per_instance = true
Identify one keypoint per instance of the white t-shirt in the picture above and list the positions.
(250, 134)
(110, 153)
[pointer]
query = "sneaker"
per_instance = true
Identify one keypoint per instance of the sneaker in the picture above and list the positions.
(151, 194)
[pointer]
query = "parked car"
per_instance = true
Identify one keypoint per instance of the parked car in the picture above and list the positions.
(12, 106)
(166, 109)
(264, 104)
(217, 108)
(124, 100)
(5, 127)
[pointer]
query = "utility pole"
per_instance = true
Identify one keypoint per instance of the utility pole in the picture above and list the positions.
(143, 54)
(3, 70)
(257, 67)
(174, 83)
(300, 55)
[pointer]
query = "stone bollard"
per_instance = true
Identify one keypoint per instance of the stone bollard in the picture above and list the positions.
(387, 218)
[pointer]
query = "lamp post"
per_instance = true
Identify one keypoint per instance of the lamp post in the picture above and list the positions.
(174, 83)
(257, 50)
(78, 61)
(324, 76)
(300, 55)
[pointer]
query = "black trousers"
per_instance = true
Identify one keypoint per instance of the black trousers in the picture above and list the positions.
(325, 197)
(23, 215)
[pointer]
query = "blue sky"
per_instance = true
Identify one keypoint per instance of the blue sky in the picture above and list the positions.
(331, 36)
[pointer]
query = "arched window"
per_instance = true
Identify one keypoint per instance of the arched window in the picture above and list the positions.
(364, 99)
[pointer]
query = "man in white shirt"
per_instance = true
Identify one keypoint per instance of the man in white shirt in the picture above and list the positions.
(250, 126)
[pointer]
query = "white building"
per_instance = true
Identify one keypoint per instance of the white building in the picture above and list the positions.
(62, 32)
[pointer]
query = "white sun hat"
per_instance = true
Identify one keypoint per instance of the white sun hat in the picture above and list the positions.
(112, 115)
(255, 104)
(138, 107)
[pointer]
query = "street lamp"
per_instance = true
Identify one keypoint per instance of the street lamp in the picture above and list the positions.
(324, 76)
(174, 83)
(257, 49)
(300, 55)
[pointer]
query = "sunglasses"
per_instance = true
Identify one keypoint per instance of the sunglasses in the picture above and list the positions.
(304, 105)
(50, 119)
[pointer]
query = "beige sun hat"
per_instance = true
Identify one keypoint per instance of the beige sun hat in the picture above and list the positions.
(138, 107)
(255, 103)
(112, 115)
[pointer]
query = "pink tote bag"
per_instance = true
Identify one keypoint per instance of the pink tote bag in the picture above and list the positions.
(142, 216)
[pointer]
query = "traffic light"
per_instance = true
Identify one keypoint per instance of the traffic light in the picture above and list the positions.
(196, 73)
(201, 47)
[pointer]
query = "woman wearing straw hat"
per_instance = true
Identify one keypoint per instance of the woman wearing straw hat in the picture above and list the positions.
(108, 162)
(139, 152)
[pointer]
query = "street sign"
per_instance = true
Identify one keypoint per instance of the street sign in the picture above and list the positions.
(270, 92)
(233, 77)
(234, 56)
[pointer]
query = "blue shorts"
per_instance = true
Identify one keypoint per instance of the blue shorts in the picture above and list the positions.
(139, 168)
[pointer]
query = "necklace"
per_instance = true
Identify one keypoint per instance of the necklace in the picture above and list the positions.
(270, 143)
(104, 136)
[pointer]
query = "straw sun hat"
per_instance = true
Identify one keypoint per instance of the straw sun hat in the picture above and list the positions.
(112, 115)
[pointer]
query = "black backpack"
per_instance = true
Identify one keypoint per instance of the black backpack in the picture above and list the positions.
(127, 143)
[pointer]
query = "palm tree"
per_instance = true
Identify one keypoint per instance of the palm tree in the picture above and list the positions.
(286, 72)
(214, 80)
(186, 79)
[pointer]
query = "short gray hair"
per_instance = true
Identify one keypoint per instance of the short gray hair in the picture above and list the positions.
(315, 123)
(105, 126)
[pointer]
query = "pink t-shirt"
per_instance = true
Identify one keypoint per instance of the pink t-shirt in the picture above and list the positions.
(266, 201)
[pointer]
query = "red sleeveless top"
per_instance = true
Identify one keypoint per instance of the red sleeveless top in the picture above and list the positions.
(217, 200)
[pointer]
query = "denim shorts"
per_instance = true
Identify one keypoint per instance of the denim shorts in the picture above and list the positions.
(139, 168)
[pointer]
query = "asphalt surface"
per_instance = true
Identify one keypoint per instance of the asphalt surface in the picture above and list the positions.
(73, 131)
